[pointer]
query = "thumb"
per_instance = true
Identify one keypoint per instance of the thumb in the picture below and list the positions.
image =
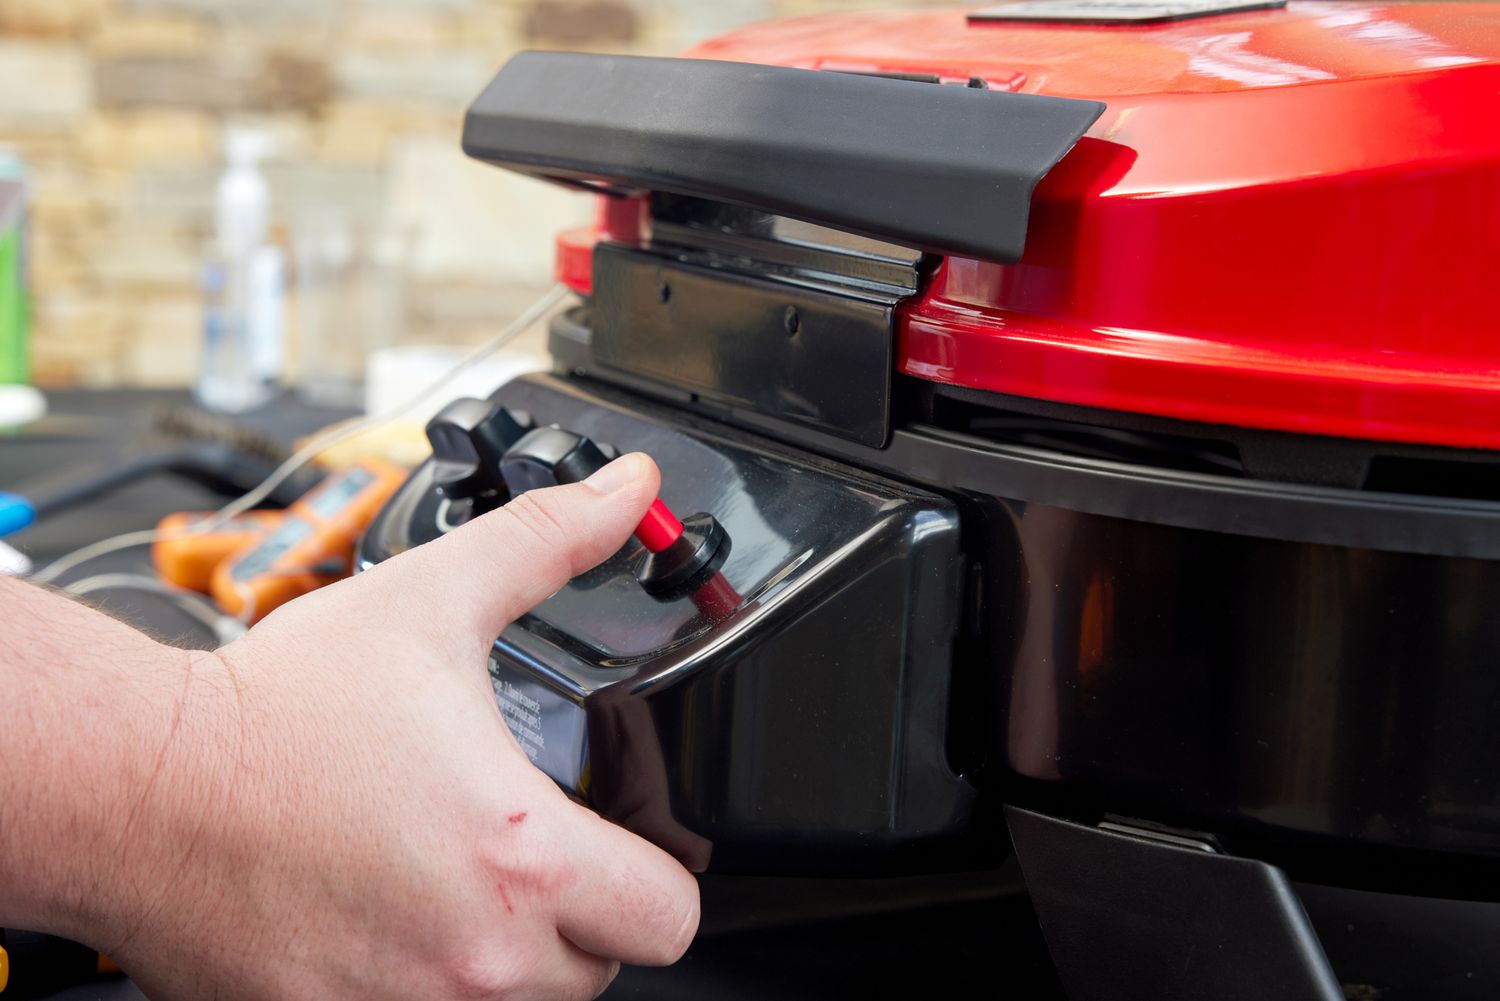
(500, 566)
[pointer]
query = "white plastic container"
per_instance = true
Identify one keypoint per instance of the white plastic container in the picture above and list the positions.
(243, 286)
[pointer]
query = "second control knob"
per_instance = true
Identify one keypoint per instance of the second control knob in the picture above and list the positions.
(548, 456)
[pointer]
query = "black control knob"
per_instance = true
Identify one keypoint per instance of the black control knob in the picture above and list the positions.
(546, 457)
(469, 439)
(682, 557)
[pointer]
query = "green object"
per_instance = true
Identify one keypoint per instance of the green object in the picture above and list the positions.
(15, 304)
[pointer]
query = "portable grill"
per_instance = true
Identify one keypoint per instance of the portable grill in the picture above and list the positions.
(1097, 407)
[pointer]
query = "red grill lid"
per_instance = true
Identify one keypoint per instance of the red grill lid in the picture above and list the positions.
(1286, 218)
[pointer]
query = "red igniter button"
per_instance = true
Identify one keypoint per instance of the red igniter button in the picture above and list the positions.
(659, 529)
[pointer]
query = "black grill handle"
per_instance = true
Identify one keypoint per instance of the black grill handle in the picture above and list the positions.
(944, 168)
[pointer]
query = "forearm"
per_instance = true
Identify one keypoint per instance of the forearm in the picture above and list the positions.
(91, 710)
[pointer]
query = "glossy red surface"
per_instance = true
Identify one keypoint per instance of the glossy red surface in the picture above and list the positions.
(1284, 219)
(618, 220)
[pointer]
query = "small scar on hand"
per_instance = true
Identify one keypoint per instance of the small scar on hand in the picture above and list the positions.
(517, 818)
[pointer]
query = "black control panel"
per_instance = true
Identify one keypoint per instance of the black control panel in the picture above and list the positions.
(795, 718)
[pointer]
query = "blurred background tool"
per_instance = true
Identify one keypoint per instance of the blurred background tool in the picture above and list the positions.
(311, 547)
(187, 556)
(220, 467)
(87, 433)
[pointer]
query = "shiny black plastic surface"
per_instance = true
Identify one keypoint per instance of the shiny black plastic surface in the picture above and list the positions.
(803, 727)
(1132, 915)
(1251, 684)
(1312, 672)
(756, 340)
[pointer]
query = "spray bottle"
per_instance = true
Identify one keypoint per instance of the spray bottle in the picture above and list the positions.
(243, 285)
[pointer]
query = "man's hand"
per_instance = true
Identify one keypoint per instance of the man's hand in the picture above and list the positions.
(336, 809)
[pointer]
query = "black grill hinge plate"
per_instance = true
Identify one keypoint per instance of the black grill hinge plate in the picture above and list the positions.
(814, 354)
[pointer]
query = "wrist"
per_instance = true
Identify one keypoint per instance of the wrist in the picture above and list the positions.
(115, 754)
(165, 813)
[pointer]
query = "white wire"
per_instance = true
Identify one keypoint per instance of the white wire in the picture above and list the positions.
(312, 449)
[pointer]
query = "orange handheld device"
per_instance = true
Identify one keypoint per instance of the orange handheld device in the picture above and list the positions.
(187, 558)
(313, 545)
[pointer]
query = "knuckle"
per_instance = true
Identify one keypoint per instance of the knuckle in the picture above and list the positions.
(525, 866)
(485, 972)
(540, 869)
(535, 519)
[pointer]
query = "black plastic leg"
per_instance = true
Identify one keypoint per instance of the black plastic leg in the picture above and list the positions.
(1140, 917)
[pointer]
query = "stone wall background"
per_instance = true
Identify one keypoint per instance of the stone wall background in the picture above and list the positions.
(118, 107)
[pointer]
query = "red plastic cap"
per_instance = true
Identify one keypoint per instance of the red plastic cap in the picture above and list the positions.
(659, 529)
